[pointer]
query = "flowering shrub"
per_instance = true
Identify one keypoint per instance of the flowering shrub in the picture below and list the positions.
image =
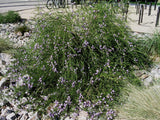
(78, 61)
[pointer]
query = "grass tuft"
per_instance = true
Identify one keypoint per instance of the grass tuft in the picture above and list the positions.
(5, 45)
(152, 44)
(10, 17)
(23, 28)
(142, 104)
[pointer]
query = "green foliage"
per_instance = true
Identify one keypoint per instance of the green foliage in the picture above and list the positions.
(22, 28)
(1, 18)
(5, 45)
(142, 104)
(152, 44)
(10, 17)
(78, 60)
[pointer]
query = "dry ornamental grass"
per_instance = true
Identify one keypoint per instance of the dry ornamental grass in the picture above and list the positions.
(142, 104)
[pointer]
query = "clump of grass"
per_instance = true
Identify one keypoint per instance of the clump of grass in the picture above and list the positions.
(79, 60)
(10, 17)
(142, 104)
(152, 44)
(22, 28)
(5, 45)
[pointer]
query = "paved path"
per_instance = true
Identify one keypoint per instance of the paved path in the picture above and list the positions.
(26, 9)
(17, 5)
(148, 24)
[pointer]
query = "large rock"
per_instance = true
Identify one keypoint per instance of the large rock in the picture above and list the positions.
(23, 115)
(155, 72)
(5, 60)
(33, 116)
(83, 115)
(11, 116)
(4, 82)
(6, 111)
(148, 81)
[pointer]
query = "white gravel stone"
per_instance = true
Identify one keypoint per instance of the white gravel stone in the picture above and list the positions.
(148, 81)
(10, 116)
(83, 115)
(4, 112)
(2, 81)
(33, 116)
(23, 115)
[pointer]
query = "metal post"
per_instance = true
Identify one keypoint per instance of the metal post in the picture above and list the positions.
(139, 21)
(150, 7)
(142, 10)
(155, 4)
(141, 14)
(127, 6)
(157, 19)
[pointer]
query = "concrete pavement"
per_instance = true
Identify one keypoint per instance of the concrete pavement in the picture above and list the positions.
(17, 5)
(29, 11)
(148, 24)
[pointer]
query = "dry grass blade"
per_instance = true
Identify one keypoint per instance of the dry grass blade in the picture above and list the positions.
(5, 45)
(142, 104)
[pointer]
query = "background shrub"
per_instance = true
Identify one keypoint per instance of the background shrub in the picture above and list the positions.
(10, 17)
(78, 60)
(1, 18)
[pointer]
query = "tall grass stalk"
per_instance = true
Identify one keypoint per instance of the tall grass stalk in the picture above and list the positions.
(152, 44)
(5, 45)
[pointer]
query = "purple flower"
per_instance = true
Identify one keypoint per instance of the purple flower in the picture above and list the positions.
(93, 47)
(105, 16)
(40, 80)
(30, 85)
(97, 71)
(85, 44)
(73, 84)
